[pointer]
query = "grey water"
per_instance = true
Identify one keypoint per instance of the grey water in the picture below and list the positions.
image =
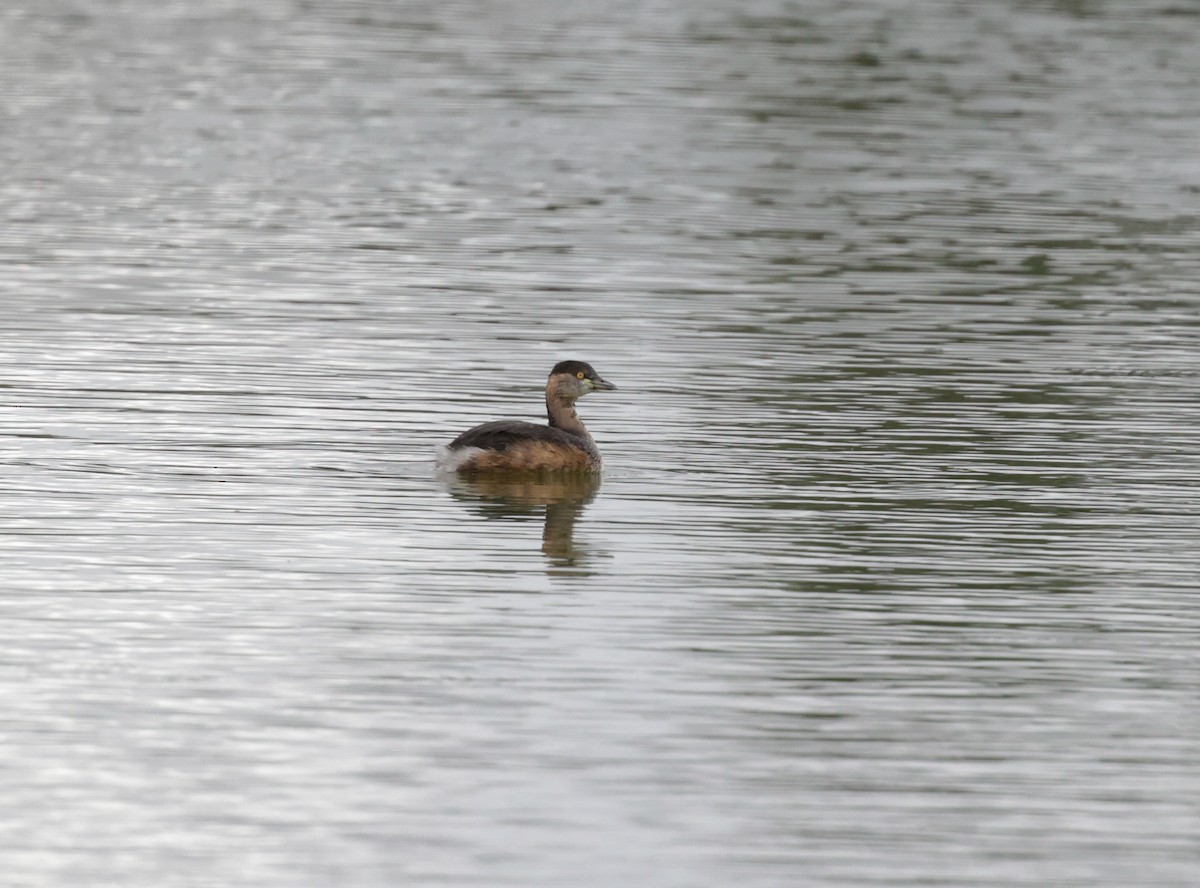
(891, 576)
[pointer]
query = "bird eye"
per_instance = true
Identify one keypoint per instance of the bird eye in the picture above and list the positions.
(580, 375)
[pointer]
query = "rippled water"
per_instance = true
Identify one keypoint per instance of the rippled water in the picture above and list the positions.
(891, 576)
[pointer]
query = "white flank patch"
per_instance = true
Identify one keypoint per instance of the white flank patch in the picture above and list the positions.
(452, 460)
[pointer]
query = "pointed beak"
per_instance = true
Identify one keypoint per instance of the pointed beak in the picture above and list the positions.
(602, 385)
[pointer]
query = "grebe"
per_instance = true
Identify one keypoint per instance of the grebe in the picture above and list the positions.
(513, 446)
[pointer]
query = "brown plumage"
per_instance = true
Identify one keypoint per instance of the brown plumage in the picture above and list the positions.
(512, 446)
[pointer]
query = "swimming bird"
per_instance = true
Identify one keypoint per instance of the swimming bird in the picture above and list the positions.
(564, 445)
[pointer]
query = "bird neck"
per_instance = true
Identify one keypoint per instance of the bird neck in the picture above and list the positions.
(563, 416)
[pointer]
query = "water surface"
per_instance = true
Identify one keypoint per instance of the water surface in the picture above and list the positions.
(890, 577)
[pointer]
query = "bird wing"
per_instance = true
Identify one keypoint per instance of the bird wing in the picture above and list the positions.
(503, 434)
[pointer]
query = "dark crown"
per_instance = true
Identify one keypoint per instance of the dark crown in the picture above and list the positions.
(573, 367)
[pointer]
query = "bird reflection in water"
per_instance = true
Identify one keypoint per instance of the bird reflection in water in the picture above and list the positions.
(564, 498)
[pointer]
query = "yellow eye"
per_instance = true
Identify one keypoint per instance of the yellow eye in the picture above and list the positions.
(580, 375)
